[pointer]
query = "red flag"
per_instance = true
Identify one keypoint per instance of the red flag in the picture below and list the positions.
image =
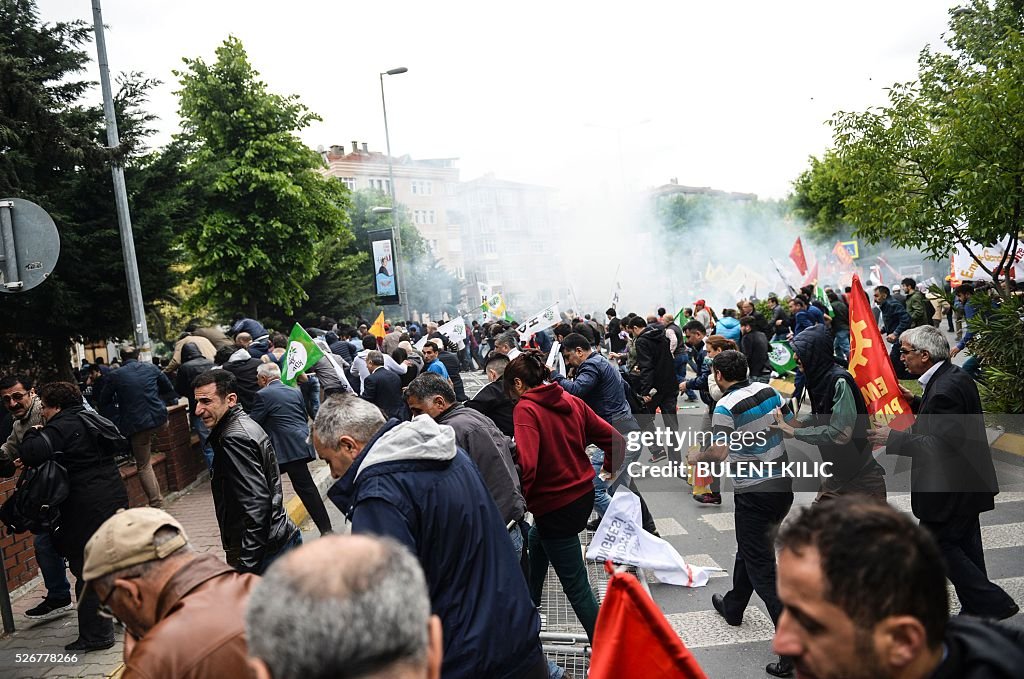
(871, 367)
(842, 254)
(797, 255)
(632, 638)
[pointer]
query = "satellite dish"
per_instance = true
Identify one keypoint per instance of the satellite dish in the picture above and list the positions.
(29, 245)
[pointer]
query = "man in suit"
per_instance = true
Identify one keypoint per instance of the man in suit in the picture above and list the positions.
(281, 411)
(953, 479)
(383, 388)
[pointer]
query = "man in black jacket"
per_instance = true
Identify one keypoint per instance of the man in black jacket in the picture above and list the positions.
(383, 388)
(247, 496)
(491, 400)
(895, 320)
(953, 479)
(193, 364)
(239, 363)
(657, 384)
(864, 597)
(452, 365)
(754, 346)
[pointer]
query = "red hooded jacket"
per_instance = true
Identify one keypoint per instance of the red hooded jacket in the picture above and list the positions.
(552, 431)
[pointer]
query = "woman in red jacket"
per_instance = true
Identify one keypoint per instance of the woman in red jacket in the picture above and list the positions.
(552, 431)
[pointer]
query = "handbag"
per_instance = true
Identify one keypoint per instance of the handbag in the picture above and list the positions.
(35, 503)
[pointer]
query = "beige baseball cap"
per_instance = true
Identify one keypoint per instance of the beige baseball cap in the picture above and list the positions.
(126, 539)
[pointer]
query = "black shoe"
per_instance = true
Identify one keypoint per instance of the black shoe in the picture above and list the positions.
(593, 524)
(86, 646)
(1008, 614)
(782, 668)
(50, 608)
(708, 499)
(658, 457)
(718, 601)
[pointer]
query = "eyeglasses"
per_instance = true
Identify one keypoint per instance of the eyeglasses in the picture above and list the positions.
(904, 352)
(11, 398)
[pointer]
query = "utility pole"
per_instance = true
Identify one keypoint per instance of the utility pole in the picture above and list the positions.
(124, 220)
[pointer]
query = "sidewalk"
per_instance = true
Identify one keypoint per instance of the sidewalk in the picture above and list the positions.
(194, 509)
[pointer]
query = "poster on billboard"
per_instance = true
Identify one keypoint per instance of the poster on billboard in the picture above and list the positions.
(385, 275)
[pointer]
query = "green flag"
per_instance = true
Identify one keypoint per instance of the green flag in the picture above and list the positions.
(819, 293)
(782, 357)
(302, 353)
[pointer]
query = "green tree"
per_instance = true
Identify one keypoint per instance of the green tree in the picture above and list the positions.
(53, 154)
(264, 213)
(817, 198)
(942, 164)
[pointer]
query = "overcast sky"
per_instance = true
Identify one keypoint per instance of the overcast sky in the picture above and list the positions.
(736, 94)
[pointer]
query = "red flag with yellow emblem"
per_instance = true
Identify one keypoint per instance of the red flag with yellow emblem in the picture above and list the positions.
(870, 365)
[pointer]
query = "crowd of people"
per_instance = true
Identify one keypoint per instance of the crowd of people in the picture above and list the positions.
(458, 506)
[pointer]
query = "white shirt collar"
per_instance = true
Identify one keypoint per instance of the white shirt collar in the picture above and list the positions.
(927, 377)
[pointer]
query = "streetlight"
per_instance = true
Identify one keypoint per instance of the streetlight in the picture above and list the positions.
(402, 299)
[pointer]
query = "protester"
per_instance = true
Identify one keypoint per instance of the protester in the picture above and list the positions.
(243, 367)
(710, 394)
(194, 363)
(953, 479)
(280, 411)
(754, 346)
(553, 430)
(895, 320)
(972, 366)
(492, 400)
(408, 481)
(182, 610)
(383, 388)
(22, 403)
(916, 303)
(202, 345)
(779, 320)
(342, 604)
(246, 485)
(657, 385)
(96, 493)
(140, 390)
(763, 497)
(728, 326)
(258, 338)
(615, 333)
(451, 364)
(864, 596)
(746, 308)
(360, 368)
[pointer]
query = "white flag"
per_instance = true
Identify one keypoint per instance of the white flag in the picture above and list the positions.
(620, 539)
(541, 321)
(485, 290)
(455, 331)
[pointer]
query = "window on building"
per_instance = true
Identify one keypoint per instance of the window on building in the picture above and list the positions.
(449, 188)
(349, 182)
(431, 217)
(380, 184)
(422, 187)
(490, 247)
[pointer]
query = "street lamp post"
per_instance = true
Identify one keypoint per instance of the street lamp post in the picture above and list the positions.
(402, 299)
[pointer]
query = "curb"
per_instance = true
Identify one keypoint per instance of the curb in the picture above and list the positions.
(1010, 443)
(297, 512)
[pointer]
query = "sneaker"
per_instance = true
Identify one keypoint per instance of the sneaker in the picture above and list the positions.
(86, 646)
(708, 499)
(658, 457)
(50, 608)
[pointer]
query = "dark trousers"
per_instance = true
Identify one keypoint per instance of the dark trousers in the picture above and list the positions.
(92, 627)
(757, 515)
(302, 482)
(959, 540)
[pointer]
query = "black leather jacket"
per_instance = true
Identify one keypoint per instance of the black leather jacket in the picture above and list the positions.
(247, 492)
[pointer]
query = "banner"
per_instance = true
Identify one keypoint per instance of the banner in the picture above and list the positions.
(797, 255)
(632, 638)
(965, 268)
(620, 539)
(871, 367)
(385, 281)
(819, 294)
(302, 354)
(842, 254)
(377, 329)
(781, 357)
(615, 295)
(484, 290)
(495, 305)
(543, 320)
(455, 330)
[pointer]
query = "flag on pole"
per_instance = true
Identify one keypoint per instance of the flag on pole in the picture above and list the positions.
(615, 295)
(782, 277)
(812, 276)
(781, 357)
(484, 290)
(797, 255)
(495, 305)
(819, 294)
(632, 638)
(842, 254)
(377, 329)
(542, 320)
(871, 367)
(301, 355)
(455, 331)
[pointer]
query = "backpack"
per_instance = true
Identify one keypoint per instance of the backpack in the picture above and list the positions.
(929, 308)
(104, 434)
(35, 503)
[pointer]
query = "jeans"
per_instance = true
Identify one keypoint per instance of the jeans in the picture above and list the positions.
(841, 344)
(142, 443)
(515, 534)
(302, 482)
(294, 541)
(566, 557)
(203, 432)
(757, 515)
(959, 541)
(52, 566)
(680, 362)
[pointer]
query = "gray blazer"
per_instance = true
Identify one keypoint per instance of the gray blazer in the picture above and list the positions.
(280, 410)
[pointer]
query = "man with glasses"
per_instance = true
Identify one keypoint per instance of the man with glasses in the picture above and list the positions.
(20, 400)
(183, 611)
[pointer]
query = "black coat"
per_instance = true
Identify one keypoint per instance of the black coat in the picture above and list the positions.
(140, 390)
(657, 370)
(281, 411)
(754, 346)
(951, 471)
(492, 402)
(245, 374)
(383, 389)
(451, 364)
(193, 364)
(97, 491)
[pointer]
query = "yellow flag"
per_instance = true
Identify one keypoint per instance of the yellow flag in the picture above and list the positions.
(377, 329)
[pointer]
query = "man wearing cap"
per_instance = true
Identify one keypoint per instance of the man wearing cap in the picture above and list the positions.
(183, 612)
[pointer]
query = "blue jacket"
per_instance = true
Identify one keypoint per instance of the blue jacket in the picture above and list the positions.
(140, 389)
(729, 328)
(894, 317)
(413, 484)
(801, 321)
(599, 384)
(281, 411)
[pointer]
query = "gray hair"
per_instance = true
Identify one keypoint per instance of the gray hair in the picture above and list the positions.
(374, 358)
(325, 611)
(930, 339)
(347, 415)
(269, 370)
(506, 339)
(428, 385)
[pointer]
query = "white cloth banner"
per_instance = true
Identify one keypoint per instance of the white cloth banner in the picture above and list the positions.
(454, 330)
(620, 539)
(543, 320)
(966, 269)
